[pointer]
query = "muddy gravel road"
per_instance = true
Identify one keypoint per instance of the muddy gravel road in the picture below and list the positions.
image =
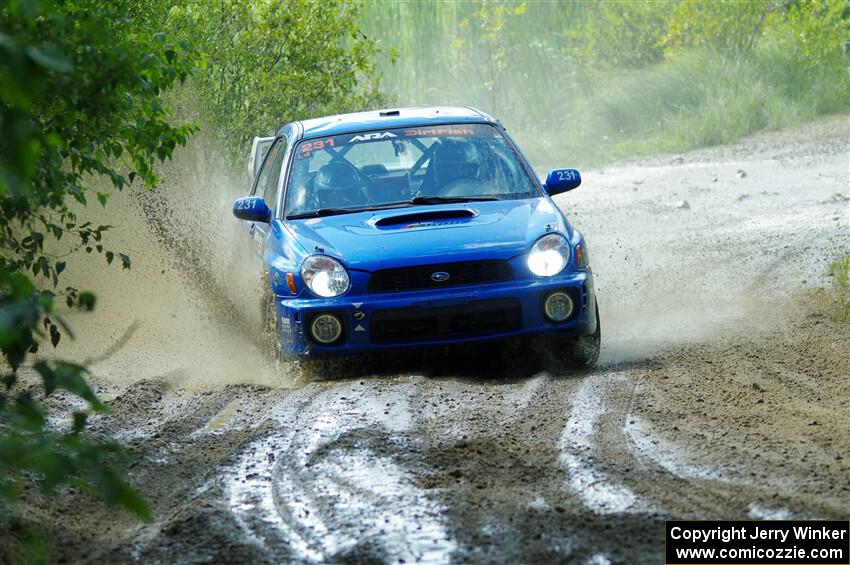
(723, 391)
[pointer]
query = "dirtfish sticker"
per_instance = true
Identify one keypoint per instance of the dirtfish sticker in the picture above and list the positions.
(439, 131)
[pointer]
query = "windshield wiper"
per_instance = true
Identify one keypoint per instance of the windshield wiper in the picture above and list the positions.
(336, 211)
(322, 212)
(449, 199)
(416, 200)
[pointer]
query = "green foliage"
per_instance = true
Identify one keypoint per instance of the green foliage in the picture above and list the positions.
(823, 27)
(30, 448)
(839, 271)
(698, 98)
(79, 98)
(267, 62)
(726, 25)
(484, 44)
(815, 36)
(620, 34)
(443, 59)
(590, 82)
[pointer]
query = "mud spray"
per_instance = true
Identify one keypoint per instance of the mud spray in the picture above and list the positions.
(188, 309)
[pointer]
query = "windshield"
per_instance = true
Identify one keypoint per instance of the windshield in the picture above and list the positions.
(404, 166)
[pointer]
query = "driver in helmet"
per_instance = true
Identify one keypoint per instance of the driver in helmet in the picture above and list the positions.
(455, 159)
(338, 185)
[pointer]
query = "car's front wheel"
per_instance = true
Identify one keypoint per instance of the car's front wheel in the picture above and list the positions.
(269, 337)
(297, 369)
(570, 353)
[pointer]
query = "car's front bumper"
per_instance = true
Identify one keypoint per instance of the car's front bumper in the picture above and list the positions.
(437, 317)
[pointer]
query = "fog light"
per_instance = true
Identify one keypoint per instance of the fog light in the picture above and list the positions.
(558, 306)
(326, 328)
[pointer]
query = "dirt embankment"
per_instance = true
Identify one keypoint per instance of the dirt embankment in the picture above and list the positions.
(723, 392)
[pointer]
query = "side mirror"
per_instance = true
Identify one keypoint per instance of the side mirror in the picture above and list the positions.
(562, 180)
(252, 209)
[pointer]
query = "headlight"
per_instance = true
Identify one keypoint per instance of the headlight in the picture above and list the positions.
(325, 276)
(549, 255)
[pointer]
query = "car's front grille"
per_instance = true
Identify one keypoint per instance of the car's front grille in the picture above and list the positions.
(423, 277)
(477, 318)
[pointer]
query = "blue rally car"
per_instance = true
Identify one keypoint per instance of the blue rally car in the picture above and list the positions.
(416, 227)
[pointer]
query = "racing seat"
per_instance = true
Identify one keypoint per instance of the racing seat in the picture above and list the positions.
(338, 185)
(454, 159)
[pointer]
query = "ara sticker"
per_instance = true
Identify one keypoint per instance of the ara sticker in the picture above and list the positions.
(372, 136)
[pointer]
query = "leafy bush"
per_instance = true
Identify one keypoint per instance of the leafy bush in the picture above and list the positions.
(79, 98)
(698, 98)
(620, 34)
(266, 62)
(725, 25)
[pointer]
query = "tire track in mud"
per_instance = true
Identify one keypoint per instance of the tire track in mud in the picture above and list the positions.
(579, 450)
(371, 472)
(533, 468)
(338, 485)
(615, 463)
(494, 461)
(644, 458)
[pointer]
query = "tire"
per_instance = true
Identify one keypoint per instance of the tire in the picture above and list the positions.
(572, 353)
(269, 338)
(297, 369)
(321, 369)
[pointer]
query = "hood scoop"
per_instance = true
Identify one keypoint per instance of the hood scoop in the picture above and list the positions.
(425, 219)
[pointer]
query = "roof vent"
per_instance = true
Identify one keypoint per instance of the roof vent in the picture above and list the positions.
(389, 113)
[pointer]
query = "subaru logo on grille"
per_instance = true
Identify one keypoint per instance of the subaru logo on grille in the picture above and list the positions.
(440, 276)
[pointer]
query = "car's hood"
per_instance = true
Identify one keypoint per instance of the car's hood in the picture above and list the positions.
(430, 234)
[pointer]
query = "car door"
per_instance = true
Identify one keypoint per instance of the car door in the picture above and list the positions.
(266, 186)
(259, 148)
